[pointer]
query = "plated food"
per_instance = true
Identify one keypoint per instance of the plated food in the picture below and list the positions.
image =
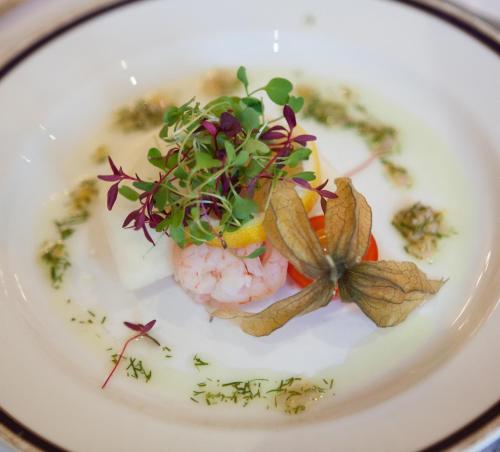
(230, 200)
(226, 164)
(444, 132)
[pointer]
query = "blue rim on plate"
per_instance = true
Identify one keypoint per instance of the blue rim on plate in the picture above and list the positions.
(34, 439)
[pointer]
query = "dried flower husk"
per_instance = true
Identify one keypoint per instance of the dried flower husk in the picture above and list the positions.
(289, 231)
(386, 291)
(263, 323)
(348, 223)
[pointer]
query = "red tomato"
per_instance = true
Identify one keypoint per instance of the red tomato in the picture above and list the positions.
(318, 224)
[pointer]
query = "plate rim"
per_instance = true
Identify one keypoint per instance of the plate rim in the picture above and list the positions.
(452, 14)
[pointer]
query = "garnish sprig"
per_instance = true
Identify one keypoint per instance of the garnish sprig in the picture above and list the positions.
(142, 330)
(216, 158)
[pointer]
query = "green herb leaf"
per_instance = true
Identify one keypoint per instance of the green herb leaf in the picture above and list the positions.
(163, 225)
(171, 162)
(230, 152)
(278, 90)
(205, 161)
(241, 158)
(252, 169)
(178, 235)
(297, 156)
(222, 104)
(249, 119)
(244, 208)
(296, 103)
(163, 132)
(253, 146)
(256, 253)
(180, 173)
(200, 232)
(242, 76)
(177, 217)
(195, 213)
(305, 175)
(156, 159)
(171, 115)
(143, 185)
(128, 193)
(161, 198)
(253, 103)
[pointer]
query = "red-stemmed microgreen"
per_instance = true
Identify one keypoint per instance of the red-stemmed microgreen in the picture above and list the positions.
(142, 330)
(215, 158)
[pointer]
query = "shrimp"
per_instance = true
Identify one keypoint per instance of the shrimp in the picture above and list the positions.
(217, 275)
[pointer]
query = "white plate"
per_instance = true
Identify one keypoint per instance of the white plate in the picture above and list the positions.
(412, 385)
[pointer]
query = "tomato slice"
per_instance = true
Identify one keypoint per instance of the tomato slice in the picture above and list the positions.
(318, 224)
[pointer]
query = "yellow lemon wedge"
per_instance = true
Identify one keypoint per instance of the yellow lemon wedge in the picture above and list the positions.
(253, 231)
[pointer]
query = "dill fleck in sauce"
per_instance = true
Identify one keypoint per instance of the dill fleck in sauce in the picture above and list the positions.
(291, 395)
(343, 110)
(132, 367)
(198, 362)
(149, 364)
(56, 257)
(54, 253)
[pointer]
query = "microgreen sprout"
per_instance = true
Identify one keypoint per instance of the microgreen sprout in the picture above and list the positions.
(216, 157)
(142, 330)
